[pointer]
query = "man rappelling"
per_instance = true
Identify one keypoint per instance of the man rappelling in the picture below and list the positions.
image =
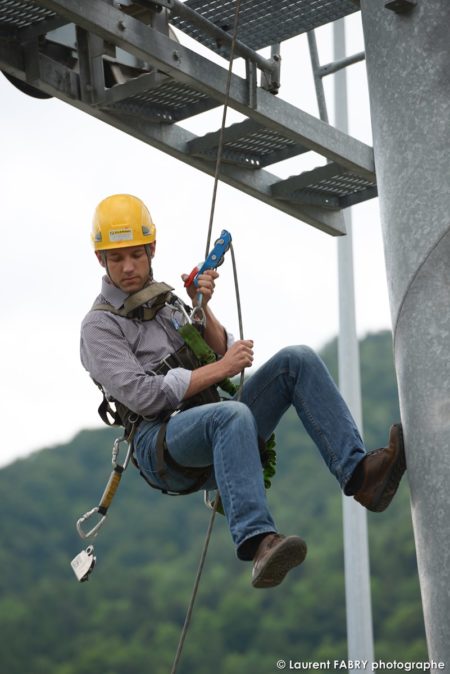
(185, 438)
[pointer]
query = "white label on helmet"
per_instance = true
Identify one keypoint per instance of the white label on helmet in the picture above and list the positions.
(121, 235)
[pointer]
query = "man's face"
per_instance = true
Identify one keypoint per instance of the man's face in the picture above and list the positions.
(128, 268)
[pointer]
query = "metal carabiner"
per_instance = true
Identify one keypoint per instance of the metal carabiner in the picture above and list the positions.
(201, 318)
(207, 500)
(116, 450)
(213, 503)
(94, 531)
(111, 487)
(178, 305)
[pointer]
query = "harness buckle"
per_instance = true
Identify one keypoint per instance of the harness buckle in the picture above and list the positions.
(166, 363)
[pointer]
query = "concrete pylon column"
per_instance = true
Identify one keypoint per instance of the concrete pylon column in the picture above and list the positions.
(408, 64)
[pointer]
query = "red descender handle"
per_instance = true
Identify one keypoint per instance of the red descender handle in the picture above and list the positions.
(191, 277)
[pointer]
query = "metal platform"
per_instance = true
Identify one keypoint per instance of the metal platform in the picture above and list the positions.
(16, 15)
(247, 144)
(167, 101)
(132, 74)
(26, 18)
(265, 22)
(329, 186)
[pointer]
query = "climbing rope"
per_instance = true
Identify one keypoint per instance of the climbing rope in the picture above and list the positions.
(239, 310)
(208, 243)
(198, 576)
(216, 500)
(222, 127)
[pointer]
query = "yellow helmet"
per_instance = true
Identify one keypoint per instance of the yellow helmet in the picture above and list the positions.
(122, 220)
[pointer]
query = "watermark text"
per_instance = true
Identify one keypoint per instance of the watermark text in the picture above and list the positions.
(359, 665)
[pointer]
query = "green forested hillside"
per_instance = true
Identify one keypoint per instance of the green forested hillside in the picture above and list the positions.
(127, 618)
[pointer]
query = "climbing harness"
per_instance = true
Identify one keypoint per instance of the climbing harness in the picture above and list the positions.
(193, 354)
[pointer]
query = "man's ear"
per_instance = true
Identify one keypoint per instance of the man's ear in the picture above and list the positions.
(100, 258)
(152, 249)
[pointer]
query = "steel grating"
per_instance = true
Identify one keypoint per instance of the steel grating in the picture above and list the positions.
(247, 144)
(264, 22)
(341, 185)
(261, 142)
(171, 101)
(21, 14)
(330, 185)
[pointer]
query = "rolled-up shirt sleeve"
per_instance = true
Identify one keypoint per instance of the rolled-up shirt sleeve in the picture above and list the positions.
(107, 355)
(230, 338)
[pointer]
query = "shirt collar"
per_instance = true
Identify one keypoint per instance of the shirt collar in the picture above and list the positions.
(112, 294)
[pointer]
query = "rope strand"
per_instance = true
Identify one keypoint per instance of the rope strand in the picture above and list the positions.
(208, 243)
(222, 128)
(201, 564)
(238, 304)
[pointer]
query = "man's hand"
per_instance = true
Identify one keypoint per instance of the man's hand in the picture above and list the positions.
(206, 285)
(238, 356)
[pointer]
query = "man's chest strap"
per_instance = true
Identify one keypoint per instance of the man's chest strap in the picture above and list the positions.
(158, 293)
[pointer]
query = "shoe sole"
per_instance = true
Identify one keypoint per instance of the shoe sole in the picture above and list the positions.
(289, 554)
(390, 485)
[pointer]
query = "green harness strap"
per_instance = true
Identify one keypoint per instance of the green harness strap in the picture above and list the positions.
(204, 353)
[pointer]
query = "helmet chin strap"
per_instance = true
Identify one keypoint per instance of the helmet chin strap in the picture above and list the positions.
(105, 263)
(149, 257)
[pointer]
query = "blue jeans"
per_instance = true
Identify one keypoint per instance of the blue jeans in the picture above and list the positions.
(225, 434)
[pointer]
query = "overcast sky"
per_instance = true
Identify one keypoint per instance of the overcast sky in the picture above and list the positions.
(57, 163)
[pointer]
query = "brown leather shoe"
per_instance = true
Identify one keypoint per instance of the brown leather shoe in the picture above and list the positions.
(276, 555)
(382, 471)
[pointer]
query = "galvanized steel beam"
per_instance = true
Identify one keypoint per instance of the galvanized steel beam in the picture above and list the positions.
(356, 543)
(136, 85)
(59, 81)
(335, 66)
(37, 29)
(174, 141)
(90, 51)
(187, 66)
